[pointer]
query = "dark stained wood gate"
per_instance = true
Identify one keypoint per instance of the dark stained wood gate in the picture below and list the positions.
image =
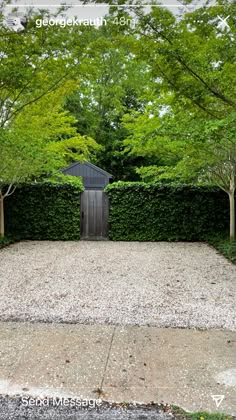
(94, 208)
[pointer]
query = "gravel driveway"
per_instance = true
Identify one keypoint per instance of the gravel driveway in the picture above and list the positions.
(159, 284)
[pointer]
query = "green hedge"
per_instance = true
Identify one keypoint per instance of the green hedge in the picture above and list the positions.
(44, 211)
(148, 212)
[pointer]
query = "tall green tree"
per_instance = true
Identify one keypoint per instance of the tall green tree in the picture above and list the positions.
(37, 136)
(113, 82)
(191, 123)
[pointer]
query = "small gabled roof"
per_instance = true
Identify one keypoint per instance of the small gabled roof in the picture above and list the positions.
(91, 165)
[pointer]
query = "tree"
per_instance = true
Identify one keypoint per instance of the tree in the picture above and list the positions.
(112, 83)
(33, 63)
(37, 144)
(37, 137)
(191, 122)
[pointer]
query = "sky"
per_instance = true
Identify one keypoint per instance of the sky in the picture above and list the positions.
(89, 11)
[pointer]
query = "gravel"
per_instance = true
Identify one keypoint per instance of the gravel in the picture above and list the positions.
(160, 284)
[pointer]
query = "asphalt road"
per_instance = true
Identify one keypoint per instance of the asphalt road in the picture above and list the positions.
(12, 409)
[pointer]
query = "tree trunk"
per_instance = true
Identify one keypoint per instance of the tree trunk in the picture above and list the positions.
(232, 215)
(2, 230)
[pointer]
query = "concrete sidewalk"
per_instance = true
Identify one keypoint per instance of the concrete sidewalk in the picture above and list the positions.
(142, 364)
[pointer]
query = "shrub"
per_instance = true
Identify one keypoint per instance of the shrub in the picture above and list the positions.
(44, 211)
(152, 212)
(6, 241)
(224, 246)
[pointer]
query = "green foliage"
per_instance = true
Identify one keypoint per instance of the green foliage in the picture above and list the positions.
(37, 135)
(61, 178)
(156, 212)
(112, 83)
(6, 241)
(182, 415)
(40, 143)
(44, 211)
(206, 416)
(33, 64)
(189, 122)
(224, 246)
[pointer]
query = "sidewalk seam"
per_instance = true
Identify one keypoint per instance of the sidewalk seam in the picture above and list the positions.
(108, 356)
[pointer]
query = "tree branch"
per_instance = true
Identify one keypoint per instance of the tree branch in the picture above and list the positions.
(214, 92)
(51, 89)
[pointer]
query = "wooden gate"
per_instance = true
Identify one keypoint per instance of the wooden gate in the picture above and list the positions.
(94, 207)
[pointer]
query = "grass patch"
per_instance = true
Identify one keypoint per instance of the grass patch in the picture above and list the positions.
(207, 416)
(182, 415)
(5, 241)
(224, 246)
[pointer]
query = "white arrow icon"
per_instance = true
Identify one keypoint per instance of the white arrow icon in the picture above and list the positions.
(218, 399)
(223, 24)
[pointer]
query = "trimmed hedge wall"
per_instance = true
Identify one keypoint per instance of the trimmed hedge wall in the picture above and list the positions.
(148, 212)
(44, 211)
